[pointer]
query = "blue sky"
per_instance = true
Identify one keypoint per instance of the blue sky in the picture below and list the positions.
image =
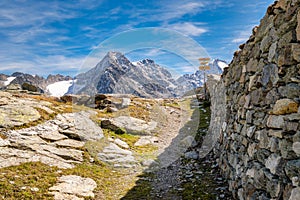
(43, 37)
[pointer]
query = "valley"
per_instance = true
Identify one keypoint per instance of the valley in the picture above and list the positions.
(132, 130)
(50, 144)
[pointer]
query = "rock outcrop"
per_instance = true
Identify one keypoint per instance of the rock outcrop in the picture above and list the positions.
(258, 146)
(129, 124)
(73, 187)
(28, 82)
(56, 142)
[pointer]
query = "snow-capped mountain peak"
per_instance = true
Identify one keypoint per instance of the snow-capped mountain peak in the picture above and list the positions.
(220, 63)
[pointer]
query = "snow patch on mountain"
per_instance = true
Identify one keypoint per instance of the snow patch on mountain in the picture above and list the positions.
(60, 88)
(222, 64)
(9, 80)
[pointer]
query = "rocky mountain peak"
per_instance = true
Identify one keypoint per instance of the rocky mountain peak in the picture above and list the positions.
(58, 77)
(114, 55)
(147, 61)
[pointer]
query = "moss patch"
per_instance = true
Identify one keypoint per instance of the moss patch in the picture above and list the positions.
(111, 184)
(128, 138)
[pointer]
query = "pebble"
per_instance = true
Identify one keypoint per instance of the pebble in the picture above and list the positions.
(34, 189)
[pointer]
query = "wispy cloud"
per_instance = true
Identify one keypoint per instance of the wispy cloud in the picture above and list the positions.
(57, 35)
(178, 9)
(243, 35)
(166, 11)
(188, 28)
(23, 14)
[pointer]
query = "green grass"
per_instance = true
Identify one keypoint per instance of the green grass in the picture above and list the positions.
(204, 119)
(27, 175)
(142, 188)
(111, 184)
(16, 181)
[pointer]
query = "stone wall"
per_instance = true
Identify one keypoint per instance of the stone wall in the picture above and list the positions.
(259, 144)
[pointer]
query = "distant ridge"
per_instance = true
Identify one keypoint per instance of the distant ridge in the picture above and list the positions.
(115, 74)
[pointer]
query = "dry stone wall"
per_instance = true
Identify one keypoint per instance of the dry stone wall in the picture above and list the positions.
(259, 144)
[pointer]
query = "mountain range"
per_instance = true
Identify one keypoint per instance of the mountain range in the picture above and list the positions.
(115, 74)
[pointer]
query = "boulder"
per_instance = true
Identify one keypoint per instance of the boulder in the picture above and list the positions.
(145, 140)
(115, 149)
(69, 98)
(125, 102)
(292, 169)
(83, 128)
(117, 156)
(73, 185)
(31, 88)
(188, 141)
(14, 87)
(108, 124)
(14, 156)
(134, 125)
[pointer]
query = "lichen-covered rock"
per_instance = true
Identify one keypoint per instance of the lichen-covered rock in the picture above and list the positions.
(17, 115)
(285, 106)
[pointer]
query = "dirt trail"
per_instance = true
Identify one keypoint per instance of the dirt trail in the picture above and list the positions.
(175, 176)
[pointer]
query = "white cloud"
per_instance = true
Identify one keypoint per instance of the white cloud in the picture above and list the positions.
(243, 35)
(153, 52)
(45, 65)
(240, 40)
(167, 10)
(16, 14)
(188, 69)
(179, 9)
(188, 28)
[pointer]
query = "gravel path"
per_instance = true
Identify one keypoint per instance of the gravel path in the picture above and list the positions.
(177, 177)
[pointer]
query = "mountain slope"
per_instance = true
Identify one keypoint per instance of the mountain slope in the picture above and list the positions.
(188, 82)
(35, 80)
(116, 74)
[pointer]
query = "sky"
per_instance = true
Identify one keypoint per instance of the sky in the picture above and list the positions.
(68, 37)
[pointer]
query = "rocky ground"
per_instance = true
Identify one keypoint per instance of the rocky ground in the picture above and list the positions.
(129, 148)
